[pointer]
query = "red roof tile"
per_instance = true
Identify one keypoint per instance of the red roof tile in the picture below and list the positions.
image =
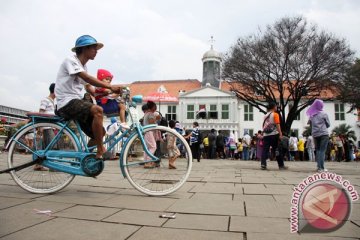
(172, 86)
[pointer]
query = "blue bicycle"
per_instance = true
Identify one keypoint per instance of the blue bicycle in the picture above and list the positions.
(60, 148)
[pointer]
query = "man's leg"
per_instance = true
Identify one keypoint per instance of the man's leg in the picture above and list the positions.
(97, 128)
(265, 153)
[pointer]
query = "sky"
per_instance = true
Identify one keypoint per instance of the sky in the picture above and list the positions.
(144, 40)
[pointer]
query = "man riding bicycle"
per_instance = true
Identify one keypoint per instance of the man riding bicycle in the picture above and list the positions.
(70, 81)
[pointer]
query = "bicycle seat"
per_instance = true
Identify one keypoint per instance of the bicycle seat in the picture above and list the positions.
(44, 116)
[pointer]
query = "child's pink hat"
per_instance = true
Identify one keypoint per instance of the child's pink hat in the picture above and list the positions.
(102, 74)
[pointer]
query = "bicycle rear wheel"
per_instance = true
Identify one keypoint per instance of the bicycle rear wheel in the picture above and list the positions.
(163, 178)
(37, 179)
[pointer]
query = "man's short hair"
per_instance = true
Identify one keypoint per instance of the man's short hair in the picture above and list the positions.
(271, 105)
(52, 88)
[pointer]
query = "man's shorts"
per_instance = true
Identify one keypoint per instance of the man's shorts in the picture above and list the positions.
(111, 106)
(78, 110)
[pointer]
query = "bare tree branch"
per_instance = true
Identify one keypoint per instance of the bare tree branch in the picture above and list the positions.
(290, 61)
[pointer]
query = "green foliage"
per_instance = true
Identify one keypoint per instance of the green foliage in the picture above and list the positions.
(345, 130)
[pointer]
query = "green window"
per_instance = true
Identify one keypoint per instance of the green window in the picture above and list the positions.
(248, 113)
(190, 112)
(225, 111)
(339, 111)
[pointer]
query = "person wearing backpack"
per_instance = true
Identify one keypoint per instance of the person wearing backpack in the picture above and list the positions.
(272, 134)
(195, 141)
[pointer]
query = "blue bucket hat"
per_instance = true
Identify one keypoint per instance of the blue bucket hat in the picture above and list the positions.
(86, 40)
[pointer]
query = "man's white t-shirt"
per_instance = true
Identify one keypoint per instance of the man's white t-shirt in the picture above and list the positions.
(47, 105)
(247, 140)
(68, 85)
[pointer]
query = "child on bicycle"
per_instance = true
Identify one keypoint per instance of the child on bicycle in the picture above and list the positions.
(110, 102)
(173, 150)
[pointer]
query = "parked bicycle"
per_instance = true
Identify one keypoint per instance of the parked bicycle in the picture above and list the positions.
(67, 155)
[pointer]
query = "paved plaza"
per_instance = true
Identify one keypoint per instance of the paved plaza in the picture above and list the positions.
(222, 199)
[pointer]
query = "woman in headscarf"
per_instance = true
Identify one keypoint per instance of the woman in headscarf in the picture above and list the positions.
(319, 123)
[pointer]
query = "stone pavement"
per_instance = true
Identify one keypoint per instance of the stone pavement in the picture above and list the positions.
(222, 199)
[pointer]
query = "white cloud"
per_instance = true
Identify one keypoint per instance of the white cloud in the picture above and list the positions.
(144, 40)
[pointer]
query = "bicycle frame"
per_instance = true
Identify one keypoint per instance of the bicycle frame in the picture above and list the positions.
(53, 156)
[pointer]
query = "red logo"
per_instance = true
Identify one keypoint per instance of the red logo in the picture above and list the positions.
(325, 207)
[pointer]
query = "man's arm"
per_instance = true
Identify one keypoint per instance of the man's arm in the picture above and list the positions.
(90, 89)
(95, 82)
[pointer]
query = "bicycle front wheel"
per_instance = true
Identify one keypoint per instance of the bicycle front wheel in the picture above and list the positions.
(36, 178)
(164, 176)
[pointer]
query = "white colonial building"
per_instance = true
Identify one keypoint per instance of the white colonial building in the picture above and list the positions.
(212, 105)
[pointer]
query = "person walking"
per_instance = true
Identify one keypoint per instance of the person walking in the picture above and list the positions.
(340, 148)
(246, 145)
(220, 145)
(195, 141)
(301, 148)
(319, 123)
(205, 143)
(272, 135)
(47, 106)
(212, 144)
(293, 146)
(310, 148)
(284, 147)
(259, 145)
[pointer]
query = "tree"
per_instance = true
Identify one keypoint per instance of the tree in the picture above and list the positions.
(345, 130)
(290, 63)
(350, 87)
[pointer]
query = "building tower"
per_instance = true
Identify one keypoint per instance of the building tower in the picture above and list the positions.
(211, 67)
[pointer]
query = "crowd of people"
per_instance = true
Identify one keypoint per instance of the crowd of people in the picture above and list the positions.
(103, 98)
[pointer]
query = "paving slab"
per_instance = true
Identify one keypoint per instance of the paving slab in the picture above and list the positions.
(252, 198)
(15, 191)
(284, 236)
(137, 217)
(9, 202)
(222, 179)
(215, 188)
(73, 229)
(152, 233)
(87, 212)
(213, 196)
(348, 230)
(259, 224)
(208, 206)
(261, 208)
(202, 222)
(272, 180)
(78, 197)
(139, 202)
(355, 212)
(23, 216)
